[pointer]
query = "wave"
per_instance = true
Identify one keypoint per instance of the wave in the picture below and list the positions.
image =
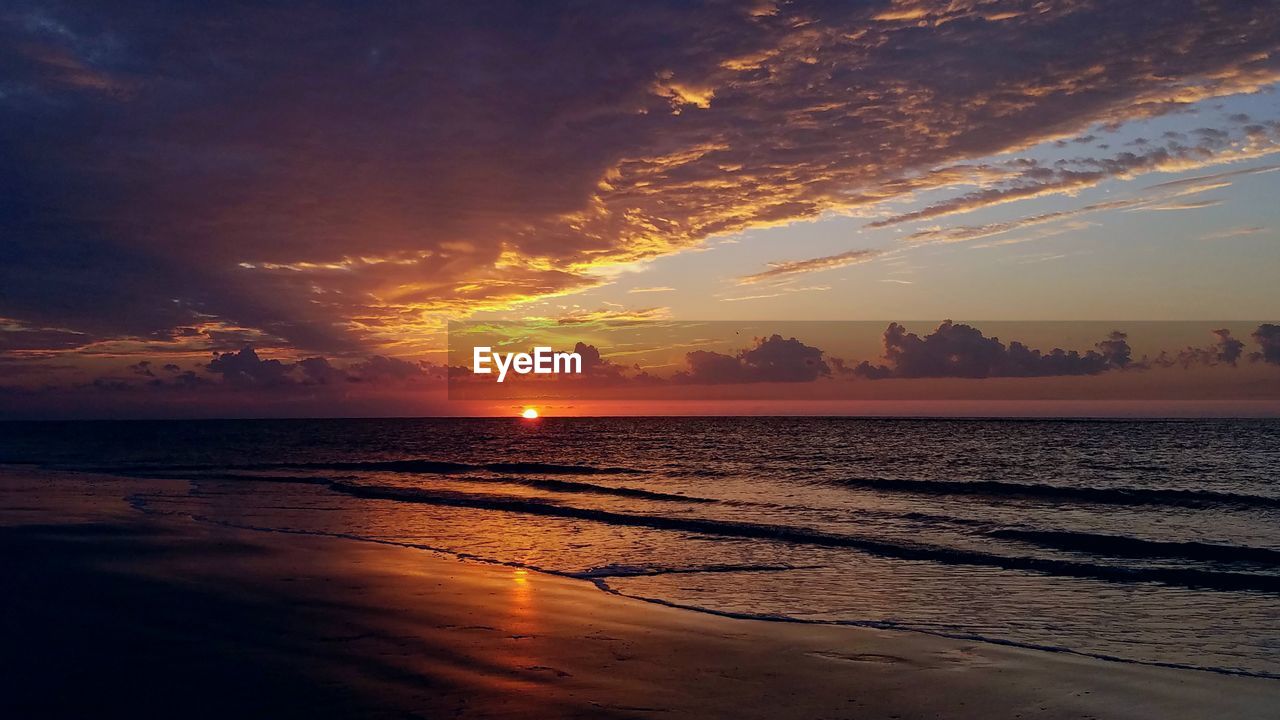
(534, 468)
(1122, 546)
(413, 465)
(779, 533)
(231, 469)
(448, 468)
(550, 485)
(568, 486)
(430, 467)
(631, 571)
(1109, 496)
(900, 626)
(242, 477)
(694, 472)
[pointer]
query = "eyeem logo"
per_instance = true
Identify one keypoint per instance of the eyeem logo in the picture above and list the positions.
(541, 362)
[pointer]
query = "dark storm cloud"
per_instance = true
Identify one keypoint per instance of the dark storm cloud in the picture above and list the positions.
(327, 176)
(962, 351)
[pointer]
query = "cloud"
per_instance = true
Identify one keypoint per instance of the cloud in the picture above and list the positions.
(613, 317)
(1213, 178)
(244, 379)
(1160, 197)
(1037, 234)
(142, 368)
(781, 291)
(1235, 233)
(966, 233)
(597, 372)
(319, 371)
(962, 351)
(662, 288)
(1268, 337)
(1225, 350)
(18, 336)
(1183, 205)
(772, 359)
(769, 359)
(781, 270)
(596, 368)
(339, 181)
(245, 369)
(1032, 179)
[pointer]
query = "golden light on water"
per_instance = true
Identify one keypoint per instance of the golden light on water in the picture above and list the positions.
(529, 414)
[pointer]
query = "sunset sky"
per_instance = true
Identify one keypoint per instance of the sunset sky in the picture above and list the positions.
(196, 201)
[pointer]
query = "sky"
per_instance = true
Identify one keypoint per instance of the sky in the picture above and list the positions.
(211, 209)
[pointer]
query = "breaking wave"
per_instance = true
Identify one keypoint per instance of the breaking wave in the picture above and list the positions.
(1110, 496)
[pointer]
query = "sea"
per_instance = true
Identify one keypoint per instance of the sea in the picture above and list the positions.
(1145, 541)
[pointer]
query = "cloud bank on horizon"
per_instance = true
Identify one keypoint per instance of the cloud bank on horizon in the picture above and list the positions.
(951, 351)
(180, 182)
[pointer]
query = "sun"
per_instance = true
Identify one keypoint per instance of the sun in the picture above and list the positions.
(529, 414)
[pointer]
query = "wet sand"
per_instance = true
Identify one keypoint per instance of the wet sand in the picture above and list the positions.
(107, 612)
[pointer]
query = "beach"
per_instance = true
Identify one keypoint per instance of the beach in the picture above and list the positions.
(113, 612)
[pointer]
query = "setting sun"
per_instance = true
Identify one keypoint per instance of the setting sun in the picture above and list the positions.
(529, 414)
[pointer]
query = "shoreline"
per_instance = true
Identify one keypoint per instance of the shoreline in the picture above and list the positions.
(602, 585)
(486, 639)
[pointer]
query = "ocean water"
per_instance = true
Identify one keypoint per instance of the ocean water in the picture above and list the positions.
(1142, 541)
